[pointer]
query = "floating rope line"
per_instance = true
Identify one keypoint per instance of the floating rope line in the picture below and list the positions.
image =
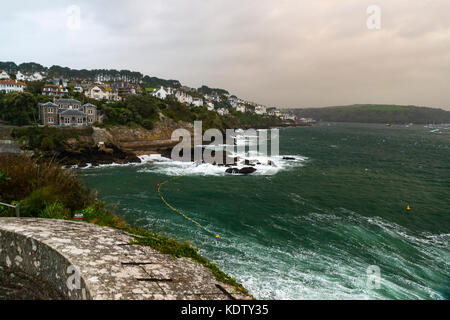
(178, 211)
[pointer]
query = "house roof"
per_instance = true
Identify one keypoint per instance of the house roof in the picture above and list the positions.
(12, 82)
(68, 101)
(98, 86)
(72, 112)
(89, 105)
(48, 104)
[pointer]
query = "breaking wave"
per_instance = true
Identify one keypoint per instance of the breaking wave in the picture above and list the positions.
(264, 165)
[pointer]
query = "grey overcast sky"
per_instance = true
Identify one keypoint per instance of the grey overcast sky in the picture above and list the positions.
(286, 53)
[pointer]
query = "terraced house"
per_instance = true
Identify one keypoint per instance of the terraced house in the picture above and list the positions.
(68, 113)
(7, 86)
(3, 75)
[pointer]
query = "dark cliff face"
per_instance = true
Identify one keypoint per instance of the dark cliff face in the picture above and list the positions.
(113, 145)
(139, 141)
(96, 156)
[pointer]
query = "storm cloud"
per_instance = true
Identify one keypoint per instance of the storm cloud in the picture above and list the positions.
(289, 53)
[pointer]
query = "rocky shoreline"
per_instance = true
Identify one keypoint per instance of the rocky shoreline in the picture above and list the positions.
(96, 157)
(122, 145)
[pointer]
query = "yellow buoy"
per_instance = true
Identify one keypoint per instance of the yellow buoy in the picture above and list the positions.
(408, 208)
(217, 236)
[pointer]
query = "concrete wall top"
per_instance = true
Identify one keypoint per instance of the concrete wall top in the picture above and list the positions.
(77, 260)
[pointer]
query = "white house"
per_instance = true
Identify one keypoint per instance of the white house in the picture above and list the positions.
(273, 112)
(233, 101)
(50, 90)
(213, 97)
(210, 106)
(7, 86)
(222, 111)
(3, 75)
(63, 91)
(241, 108)
(183, 97)
(260, 110)
(20, 76)
(99, 92)
(37, 76)
(161, 93)
(197, 102)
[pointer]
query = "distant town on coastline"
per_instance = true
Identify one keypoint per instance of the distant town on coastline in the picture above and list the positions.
(68, 97)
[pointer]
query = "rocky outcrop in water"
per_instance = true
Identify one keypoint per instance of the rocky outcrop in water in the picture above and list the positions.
(246, 170)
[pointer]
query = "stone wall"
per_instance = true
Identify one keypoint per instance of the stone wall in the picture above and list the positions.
(57, 259)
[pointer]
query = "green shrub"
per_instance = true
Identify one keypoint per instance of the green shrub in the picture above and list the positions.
(39, 138)
(45, 179)
(37, 201)
(6, 212)
(134, 111)
(98, 214)
(55, 210)
(47, 144)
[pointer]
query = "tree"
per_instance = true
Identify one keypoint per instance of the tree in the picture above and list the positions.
(9, 67)
(153, 82)
(145, 106)
(31, 67)
(34, 87)
(206, 90)
(19, 108)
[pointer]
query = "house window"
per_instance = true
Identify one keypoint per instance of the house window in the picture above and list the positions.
(66, 120)
(90, 111)
(50, 110)
(80, 120)
(50, 120)
(90, 120)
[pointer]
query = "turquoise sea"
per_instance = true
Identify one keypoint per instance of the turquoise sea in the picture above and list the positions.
(311, 228)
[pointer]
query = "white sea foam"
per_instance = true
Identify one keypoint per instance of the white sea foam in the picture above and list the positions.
(264, 165)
